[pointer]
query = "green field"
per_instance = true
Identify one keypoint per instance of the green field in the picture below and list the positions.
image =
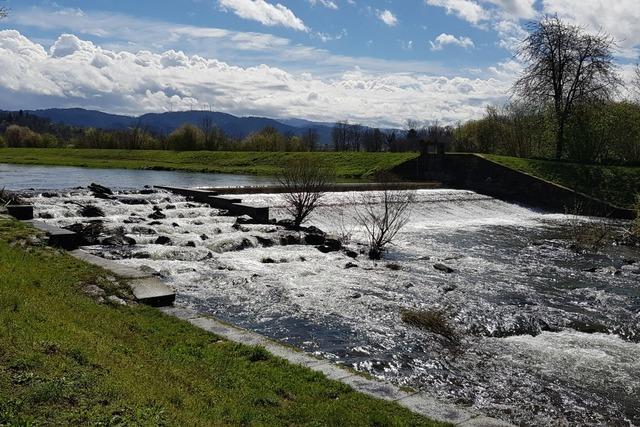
(66, 360)
(617, 185)
(348, 165)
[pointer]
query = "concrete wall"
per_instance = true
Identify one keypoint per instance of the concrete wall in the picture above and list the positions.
(473, 172)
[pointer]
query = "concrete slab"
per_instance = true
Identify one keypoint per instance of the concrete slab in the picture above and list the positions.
(151, 291)
(428, 406)
(228, 332)
(112, 266)
(485, 422)
(375, 388)
(180, 313)
(293, 356)
(333, 372)
(21, 212)
(57, 237)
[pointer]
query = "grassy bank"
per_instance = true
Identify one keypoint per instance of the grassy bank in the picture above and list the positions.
(617, 185)
(66, 360)
(348, 165)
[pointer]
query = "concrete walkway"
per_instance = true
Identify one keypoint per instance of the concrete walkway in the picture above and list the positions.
(417, 402)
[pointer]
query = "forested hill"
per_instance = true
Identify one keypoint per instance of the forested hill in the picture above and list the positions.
(165, 123)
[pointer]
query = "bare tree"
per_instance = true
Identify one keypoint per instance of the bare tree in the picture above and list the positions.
(382, 215)
(565, 66)
(340, 135)
(636, 81)
(305, 182)
(310, 139)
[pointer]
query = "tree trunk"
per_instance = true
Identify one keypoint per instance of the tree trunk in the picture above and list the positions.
(560, 141)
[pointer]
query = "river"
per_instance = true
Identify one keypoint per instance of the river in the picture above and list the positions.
(548, 335)
(24, 177)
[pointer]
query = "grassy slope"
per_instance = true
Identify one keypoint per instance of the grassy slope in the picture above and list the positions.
(615, 184)
(348, 165)
(66, 360)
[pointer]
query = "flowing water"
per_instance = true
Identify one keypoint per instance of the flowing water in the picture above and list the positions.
(546, 335)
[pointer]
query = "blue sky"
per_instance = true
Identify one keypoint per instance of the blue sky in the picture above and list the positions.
(376, 62)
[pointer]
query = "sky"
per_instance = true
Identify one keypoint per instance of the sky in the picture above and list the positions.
(377, 62)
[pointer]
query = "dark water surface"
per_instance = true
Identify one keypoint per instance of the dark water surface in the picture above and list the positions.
(25, 177)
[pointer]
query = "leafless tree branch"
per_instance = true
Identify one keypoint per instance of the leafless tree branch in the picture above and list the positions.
(305, 182)
(382, 215)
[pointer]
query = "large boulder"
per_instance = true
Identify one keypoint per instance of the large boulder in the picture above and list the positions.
(163, 240)
(314, 239)
(119, 240)
(100, 191)
(157, 214)
(333, 242)
(290, 239)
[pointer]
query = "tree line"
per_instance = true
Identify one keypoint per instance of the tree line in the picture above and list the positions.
(23, 130)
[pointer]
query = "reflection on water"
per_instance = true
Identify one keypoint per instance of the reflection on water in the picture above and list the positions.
(24, 177)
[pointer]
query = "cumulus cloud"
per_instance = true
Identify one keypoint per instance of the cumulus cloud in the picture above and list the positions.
(447, 39)
(479, 11)
(620, 18)
(516, 9)
(266, 13)
(468, 10)
(388, 17)
(75, 72)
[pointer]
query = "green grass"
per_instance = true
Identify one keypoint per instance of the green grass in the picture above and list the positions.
(348, 165)
(66, 360)
(617, 185)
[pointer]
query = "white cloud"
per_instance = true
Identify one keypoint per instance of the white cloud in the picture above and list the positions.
(620, 18)
(329, 4)
(474, 12)
(468, 10)
(265, 13)
(75, 72)
(388, 18)
(447, 39)
(516, 9)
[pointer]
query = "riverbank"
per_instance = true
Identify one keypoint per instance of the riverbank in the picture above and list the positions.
(64, 359)
(618, 185)
(348, 166)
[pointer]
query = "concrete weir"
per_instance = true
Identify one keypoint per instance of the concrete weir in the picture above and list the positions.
(233, 205)
(418, 402)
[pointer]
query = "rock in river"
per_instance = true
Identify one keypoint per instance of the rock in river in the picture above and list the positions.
(163, 240)
(443, 268)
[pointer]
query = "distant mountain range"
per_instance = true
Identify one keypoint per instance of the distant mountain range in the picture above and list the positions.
(164, 123)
